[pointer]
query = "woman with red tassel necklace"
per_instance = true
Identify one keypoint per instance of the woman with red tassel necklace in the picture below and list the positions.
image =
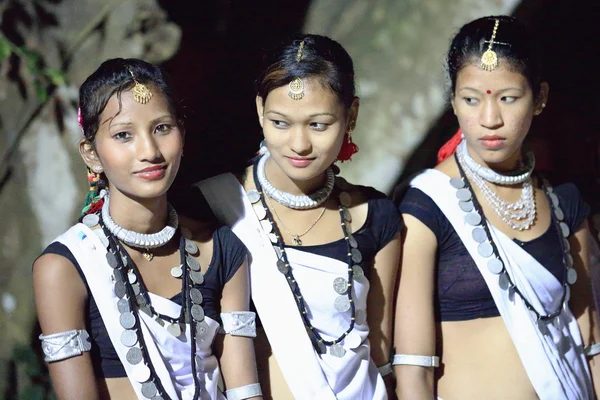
(494, 288)
(324, 252)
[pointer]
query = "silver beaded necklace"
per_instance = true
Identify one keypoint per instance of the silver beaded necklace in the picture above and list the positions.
(519, 215)
(289, 200)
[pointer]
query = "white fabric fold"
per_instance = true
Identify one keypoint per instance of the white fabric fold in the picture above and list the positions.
(308, 374)
(554, 361)
(170, 356)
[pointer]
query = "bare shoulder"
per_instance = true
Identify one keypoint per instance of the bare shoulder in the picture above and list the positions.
(54, 269)
(448, 167)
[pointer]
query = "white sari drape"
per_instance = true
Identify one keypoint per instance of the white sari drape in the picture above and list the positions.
(170, 356)
(308, 374)
(554, 361)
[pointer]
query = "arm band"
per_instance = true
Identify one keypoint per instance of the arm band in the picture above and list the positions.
(591, 350)
(63, 345)
(421, 361)
(244, 392)
(385, 369)
(239, 323)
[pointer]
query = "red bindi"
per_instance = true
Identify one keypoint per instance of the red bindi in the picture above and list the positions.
(488, 91)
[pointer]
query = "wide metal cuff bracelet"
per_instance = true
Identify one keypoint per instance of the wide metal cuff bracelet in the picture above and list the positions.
(421, 361)
(592, 350)
(244, 392)
(239, 323)
(385, 369)
(63, 345)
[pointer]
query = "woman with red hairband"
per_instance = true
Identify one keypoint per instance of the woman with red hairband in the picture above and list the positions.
(494, 287)
(324, 252)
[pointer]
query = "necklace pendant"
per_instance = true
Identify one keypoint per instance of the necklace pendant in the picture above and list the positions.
(148, 255)
(296, 240)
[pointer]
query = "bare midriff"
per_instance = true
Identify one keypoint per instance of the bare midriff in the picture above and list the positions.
(271, 378)
(480, 361)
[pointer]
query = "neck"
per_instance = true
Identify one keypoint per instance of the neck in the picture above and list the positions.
(139, 215)
(282, 182)
(504, 167)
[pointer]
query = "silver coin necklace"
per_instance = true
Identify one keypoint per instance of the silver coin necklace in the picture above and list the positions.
(134, 297)
(343, 287)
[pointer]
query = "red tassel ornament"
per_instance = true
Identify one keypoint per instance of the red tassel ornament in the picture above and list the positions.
(349, 148)
(449, 147)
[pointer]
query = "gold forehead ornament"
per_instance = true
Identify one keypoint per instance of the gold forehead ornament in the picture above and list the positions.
(489, 59)
(141, 92)
(296, 86)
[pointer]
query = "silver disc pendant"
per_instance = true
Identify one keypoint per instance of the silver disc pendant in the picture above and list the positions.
(191, 247)
(543, 328)
(282, 267)
(174, 329)
(90, 220)
(101, 236)
(134, 355)
(131, 277)
(123, 306)
(197, 277)
(347, 215)
(565, 229)
(356, 255)
(177, 272)
(342, 304)
(560, 215)
(353, 340)
(196, 295)
(159, 321)
(201, 329)
(568, 245)
(120, 289)
(266, 225)
(340, 285)
(192, 263)
(503, 281)
(479, 235)
(337, 350)
(571, 276)
(473, 218)
(485, 249)
(357, 272)
(141, 373)
(567, 293)
(352, 241)
(129, 338)
(149, 390)
(345, 199)
(127, 320)
(198, 312)
(457, 183)
(495, 266)
(136, 288)
(260, 211)
(463, 194)
(554, 199)
(466, 206)
(273, 238)
(569, 260)
(141, 300)
(253, 196)
(112, 260)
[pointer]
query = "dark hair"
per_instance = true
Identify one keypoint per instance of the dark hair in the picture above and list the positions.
(322, 58)
(513, 43)
(114, 76)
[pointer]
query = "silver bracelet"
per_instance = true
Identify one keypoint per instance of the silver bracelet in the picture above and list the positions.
(420, 361)
(63, 345)
(385, 369)
(244, 392)
(239, 323)
(591, 350)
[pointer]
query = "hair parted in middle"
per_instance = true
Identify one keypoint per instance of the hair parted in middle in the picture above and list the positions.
(322, 58)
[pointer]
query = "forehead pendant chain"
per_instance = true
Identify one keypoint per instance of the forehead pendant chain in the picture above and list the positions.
(141, 92)
(296, 86)
(489, 59)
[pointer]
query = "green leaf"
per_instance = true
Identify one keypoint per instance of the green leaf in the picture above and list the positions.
(40, 91)
(5, 50)
(56, 77)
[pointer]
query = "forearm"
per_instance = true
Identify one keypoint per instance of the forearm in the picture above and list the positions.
(413, 382)
(237, 362)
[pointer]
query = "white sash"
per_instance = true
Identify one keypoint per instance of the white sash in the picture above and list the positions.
(270, 292)
(554, 362)
(170, 356)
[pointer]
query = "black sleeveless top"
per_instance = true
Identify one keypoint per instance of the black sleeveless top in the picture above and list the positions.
(228, 255)
(461, 292)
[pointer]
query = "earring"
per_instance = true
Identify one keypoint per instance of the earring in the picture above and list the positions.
(349, 148)
(97, 169)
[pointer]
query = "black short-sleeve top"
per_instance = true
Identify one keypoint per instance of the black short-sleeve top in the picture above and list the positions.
(461, 291)
(228, 255)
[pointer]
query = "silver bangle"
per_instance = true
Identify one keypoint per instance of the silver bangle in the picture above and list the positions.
(239, 323)
(63, 345)
(591, 350)
(244, 392)
(385, 369)
(420, 361)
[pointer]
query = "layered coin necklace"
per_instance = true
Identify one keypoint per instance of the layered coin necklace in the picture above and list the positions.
(341, 285)
(519, 215)
(134, 297)
(486, 247)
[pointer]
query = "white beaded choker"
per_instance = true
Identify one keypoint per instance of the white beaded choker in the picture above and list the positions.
(289, 200)
(141, 240)
(491, 175)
